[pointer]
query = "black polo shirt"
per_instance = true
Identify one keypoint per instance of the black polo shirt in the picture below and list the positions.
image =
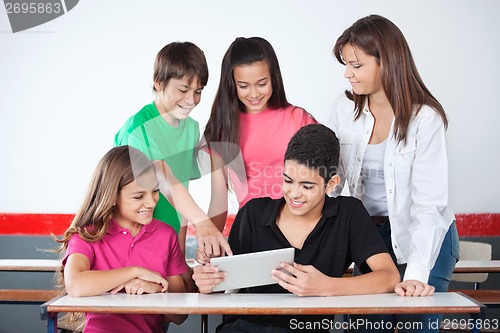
(344, 234)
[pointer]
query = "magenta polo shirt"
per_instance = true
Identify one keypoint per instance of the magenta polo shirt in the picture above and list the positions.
(155, 247)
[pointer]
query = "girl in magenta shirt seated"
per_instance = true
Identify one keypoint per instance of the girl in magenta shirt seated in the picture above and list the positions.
(114, 244)
(250, 125)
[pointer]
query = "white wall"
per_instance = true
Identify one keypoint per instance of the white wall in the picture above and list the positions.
(68, 85)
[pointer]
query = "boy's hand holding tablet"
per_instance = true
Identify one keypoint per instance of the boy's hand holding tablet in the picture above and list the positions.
(241, 271)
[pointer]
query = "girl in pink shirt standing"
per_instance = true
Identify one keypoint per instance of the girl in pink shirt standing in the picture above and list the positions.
(250, 125)
(114, 244)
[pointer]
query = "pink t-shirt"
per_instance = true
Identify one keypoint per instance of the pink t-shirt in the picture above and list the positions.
(264, 138)
(155, 247)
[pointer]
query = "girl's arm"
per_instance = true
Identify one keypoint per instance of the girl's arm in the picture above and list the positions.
(182, 235)
(138, 287)
(175, 285)
(209, 238)
(79, 280)
(218, 196)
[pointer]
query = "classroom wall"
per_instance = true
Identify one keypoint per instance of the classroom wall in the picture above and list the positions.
(68, 85)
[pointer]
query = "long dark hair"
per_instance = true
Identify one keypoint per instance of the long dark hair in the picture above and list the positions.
(224, 123)
(377, 36)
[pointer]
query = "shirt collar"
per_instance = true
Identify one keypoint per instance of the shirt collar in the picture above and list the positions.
(271, 211)
(115, 228)
(366, 109)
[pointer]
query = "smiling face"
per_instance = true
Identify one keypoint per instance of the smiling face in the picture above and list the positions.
(177, 99)
(362, 71)
(136, 202)
(253, 85)
(304, 190)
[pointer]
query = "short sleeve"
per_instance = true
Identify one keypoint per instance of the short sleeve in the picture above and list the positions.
(303, 118)
(240, 236)
(78, 245)
(143, 139)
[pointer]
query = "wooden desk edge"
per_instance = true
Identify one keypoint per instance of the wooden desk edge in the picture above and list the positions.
(44, 306)
(280, 311)
(459, 270)
(476, 308)
(29, 269)
(28, 295)
(479, 304)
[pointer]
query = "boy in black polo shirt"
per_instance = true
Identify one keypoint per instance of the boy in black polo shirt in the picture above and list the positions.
(328, 234)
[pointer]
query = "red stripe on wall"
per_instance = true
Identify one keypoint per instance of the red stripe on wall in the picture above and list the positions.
(469, 225)
(34, 224)
(481, 225)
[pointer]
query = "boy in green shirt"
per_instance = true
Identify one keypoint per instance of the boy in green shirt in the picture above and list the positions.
(164, 132)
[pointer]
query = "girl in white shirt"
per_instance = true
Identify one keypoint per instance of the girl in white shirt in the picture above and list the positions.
(393, 157)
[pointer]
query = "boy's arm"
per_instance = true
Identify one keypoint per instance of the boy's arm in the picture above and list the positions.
(207, 278)
(209, 238)
(306, 280)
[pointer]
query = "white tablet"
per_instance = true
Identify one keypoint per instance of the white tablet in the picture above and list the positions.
(251, 269)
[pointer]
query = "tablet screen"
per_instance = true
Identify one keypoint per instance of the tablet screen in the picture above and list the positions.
(251, 269)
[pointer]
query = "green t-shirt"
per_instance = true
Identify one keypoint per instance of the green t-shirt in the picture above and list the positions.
(151, 134)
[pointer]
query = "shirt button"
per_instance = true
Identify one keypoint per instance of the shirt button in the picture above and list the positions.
(132, 245)
(367, 131)
(395, 246)
(124, 232)
(390, 191)
(390, 164)
(359, 159)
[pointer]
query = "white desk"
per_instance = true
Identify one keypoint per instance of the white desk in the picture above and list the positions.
(258, 304)
(467, 266)
(477, 266)
(28, 296)
(29, 265)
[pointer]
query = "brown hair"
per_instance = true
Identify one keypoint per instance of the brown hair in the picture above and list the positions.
(178, 60)
(119, 167)
(378, 37)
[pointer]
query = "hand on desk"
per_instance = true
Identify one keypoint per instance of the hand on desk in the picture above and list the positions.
(207, 278)
(305, 280)
(413, 288)
(147, 275)
(139, 287)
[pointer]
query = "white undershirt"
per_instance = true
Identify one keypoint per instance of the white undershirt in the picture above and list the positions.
(372, 175)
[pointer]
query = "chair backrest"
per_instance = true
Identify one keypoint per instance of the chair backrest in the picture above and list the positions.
(473, 251)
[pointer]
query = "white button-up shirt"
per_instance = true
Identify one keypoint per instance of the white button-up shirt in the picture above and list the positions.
(416, 181)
